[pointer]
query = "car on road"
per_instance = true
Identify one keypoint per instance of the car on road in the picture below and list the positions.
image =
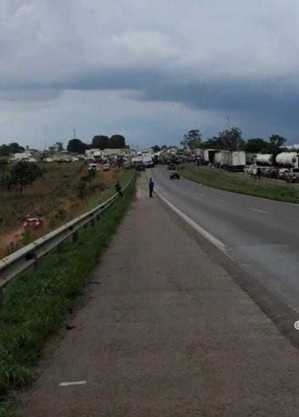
(174, 176)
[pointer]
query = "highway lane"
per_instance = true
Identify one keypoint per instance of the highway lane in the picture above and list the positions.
(261, 235)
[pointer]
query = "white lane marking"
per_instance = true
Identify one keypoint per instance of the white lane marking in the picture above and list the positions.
(67, 384)
(257, 210)
(220, 245)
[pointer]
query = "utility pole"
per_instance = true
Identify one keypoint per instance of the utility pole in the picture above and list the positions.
(74, 134)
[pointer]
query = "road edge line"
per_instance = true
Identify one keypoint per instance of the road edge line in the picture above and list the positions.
(207, 235)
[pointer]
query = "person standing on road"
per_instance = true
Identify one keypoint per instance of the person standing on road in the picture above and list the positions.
(151, 186)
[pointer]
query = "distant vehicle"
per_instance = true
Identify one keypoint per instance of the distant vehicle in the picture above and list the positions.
(282, 173)
(92, 167)
(140, 167)
(251, 170)
(126, 164)
(32, 222)
(147, 160)
(106, 167)
(137, 161)
(171, 167)
(174, 176)
(270, 172)
(292, 175)
(209, 156)
(264, 159)
(288, 159)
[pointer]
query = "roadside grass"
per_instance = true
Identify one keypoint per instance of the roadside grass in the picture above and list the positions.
(241, 183)
(56, 198)
(37, 303)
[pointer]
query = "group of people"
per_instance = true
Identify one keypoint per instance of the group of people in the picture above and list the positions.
(151, 186)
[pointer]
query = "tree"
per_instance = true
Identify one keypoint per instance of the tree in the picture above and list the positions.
(276, 142)
(257, 145)
(117, 142)
(156, 148)
(231, 139)
(100, 142)
(192, 139)
(213, 142)
(6, 150)
(76, 146)
(24, 173)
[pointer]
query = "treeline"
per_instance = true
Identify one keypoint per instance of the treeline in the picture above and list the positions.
(232, 139)
(98, 142)
(6, 150)
(20, 175)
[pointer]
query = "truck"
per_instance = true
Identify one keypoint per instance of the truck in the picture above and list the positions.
(209, 156)
(147, 160)
(264, 159)
(137, 161)
(234, 160)
(220, 158)
(288, 159)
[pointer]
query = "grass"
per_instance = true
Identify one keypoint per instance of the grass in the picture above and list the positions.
(56, 197)
(36, 304)
(241, 183)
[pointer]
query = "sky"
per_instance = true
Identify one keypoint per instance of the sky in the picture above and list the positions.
(150, 70)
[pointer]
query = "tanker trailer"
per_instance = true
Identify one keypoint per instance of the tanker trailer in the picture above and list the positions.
(264, 159)
(288, 159)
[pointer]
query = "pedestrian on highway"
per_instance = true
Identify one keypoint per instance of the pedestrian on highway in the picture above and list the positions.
(151, 186)
(118, 189)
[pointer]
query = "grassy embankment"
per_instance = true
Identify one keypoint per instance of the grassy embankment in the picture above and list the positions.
(57, 197)
(241, 183)
(38, 302)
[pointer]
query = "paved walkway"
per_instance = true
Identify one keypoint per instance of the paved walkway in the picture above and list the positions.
(166, 333)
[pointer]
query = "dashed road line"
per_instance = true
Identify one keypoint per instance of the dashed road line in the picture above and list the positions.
(257, 210)
(71, 383)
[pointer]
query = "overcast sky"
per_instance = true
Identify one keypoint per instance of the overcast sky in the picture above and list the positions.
(147, 69)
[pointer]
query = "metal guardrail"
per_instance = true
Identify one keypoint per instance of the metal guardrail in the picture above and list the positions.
(24, 258)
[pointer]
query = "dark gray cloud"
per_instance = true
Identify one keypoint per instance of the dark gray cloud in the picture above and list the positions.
(204, 58)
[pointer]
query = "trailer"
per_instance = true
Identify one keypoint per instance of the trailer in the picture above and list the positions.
(220, 158)
(264, 159)
(234, 161)
(288, 159)
(209, 156)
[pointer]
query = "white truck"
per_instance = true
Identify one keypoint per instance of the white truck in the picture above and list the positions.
(147, 160)
(220, 158)
(209, 156)
(288, 159)
(234, 160)
(264, 159)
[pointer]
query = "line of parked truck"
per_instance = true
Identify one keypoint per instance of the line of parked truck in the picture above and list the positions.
(284, 165)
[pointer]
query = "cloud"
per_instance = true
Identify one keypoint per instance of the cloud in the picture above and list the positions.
(209, 56)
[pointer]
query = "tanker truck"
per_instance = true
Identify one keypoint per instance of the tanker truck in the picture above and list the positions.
(264, 159)
(288, 159)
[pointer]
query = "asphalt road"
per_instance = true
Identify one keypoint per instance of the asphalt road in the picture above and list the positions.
(165, 332)
(260, 235)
